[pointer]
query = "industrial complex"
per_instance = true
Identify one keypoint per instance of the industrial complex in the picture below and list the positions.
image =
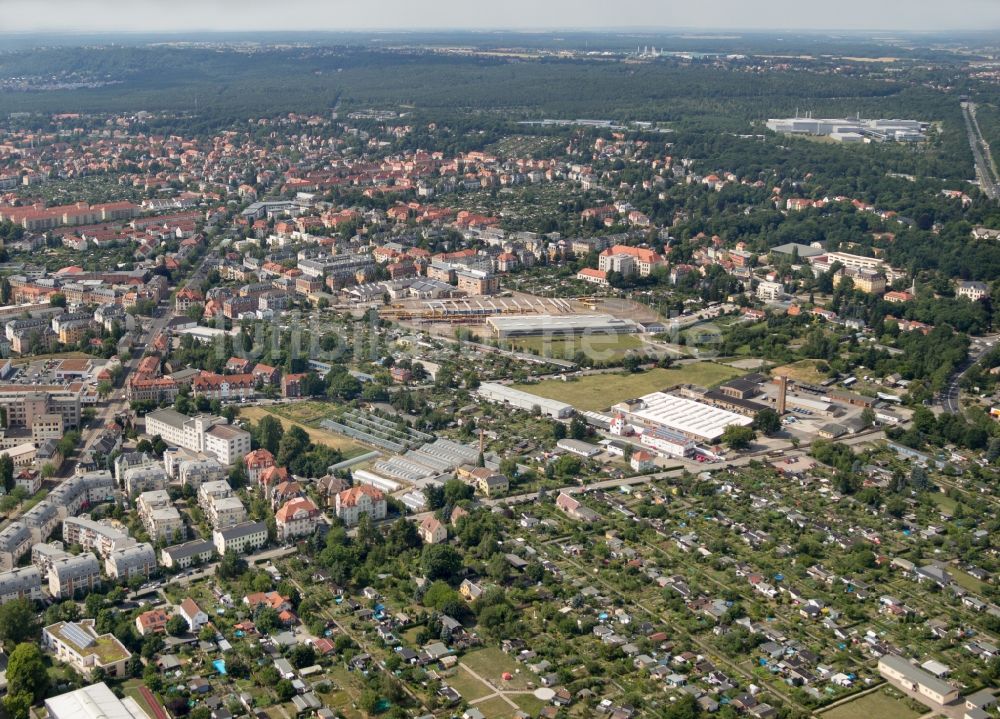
(851, 130)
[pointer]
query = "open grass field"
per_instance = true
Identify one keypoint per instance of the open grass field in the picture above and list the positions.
(600, 391)
(347, 447)
(490, 663)
(467, 685)
(528, 703)
(802, 371)
(496, 708)
(877, 705)
(599, 347)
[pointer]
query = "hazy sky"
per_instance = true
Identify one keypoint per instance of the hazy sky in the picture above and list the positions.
(153, 15)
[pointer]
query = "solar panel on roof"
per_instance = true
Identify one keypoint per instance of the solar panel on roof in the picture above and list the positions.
(75, 634)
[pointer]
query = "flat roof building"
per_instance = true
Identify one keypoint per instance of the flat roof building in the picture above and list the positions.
(96, 701)
(695, 420)
(534, 325)
(501, 393)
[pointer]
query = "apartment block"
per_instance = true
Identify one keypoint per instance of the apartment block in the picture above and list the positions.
(95, 536)
(240, 538)
(158, 514)
(22, 583)
(137, 561)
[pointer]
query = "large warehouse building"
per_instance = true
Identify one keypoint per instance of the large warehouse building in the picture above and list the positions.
(680, 416)
(524, 400)
(559, 325)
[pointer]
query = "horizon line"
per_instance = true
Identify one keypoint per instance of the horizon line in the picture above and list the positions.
(73, 32)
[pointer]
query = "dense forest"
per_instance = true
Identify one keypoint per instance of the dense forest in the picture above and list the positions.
(231, 83)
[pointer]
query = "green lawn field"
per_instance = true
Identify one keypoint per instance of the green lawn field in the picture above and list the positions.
(600, 391)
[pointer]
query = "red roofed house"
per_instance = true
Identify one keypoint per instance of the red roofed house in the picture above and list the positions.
(224, 386)
(272, 477)
(186, 299)
(363, 499)
(256, 462)
(597, 277)
(630, 260)
(297, 518)
(152, 622)
(268, 599)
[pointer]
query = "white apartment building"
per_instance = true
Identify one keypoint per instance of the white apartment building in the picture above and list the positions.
(158, 514)
(209, 435)
(240, 538)
(95, 536)
(184, 555)
(225, 512)
(768, 291)
(363, 499)
(137, 561)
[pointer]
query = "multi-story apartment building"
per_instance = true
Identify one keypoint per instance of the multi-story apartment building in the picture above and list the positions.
(477, 282)
(47, 426)
(95, 536)
(184, 555)
(72, 576)
(15, 541)
(158, 514)
(25, 404)
(297, 518)
(196, 472)
(627, 260)
(225, 387)
(144, 478)
(225, 512)
(240, 538)
(22, 583)
(137, 561)
(256, 462)
(206, 434)
(363, 499)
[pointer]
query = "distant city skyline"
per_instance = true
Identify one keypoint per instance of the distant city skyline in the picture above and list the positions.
(333, 15)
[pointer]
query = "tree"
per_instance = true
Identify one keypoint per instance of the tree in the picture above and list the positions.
(269, 433)
(868, 417)
(440, 561)
(177, 625)
(7, 472)
(632, 363)
(294, 443)
(232, 566)
(17, 621)
(578, 428)
(57, 299)
(285, 690)
(17, 704)
(26, 672)
(104, 388)
(303, 655)
(767, 421)
(737, 437)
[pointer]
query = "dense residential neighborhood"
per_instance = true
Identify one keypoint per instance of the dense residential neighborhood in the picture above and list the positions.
(382, 403)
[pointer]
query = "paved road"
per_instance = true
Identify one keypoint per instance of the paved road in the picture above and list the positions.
(950, 397)
(980, 153)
